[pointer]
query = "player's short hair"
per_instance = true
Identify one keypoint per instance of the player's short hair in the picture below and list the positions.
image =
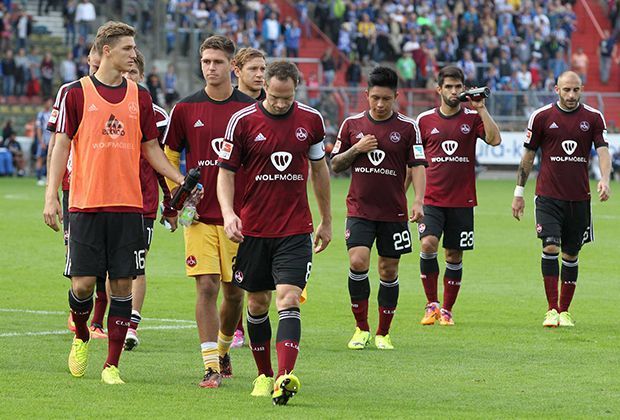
(452, 72)
(110, 32)
(139, 62)
(383, 77)
(282, 70)
(219, 42)
(246, 54)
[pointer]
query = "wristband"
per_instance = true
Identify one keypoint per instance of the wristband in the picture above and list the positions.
(519, 190)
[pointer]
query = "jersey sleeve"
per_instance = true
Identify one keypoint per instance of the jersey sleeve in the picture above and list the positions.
(600, 131)
(479, 128)
(533, 134)
(343, 141)
(416, 156)
(51, 124)
(231, 153)
(148, 124)
(174, 136)
(69, 117)
(317, 149)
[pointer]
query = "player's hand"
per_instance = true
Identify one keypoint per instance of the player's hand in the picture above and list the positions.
(417, 212)
(518, 204)
(52, 212)
(603, 190)
(172, 221)
(232, 227)
(367, 143)
(322, 237)
(478, 104)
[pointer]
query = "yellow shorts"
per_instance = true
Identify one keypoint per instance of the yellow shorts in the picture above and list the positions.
(209, 251)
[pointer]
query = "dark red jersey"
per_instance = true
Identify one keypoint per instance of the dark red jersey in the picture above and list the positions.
(450, 146)
(149, 178)
(565, 139)
(274, 151)
(197, 125)
(51, 126)
(377, 190)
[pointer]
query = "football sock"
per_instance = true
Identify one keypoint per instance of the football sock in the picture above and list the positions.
(101, 303)
(551, 272)
(287, 339)
(80, 311)
(210, 356)
(259, 332)
(118, 322)
(388, 299)
(240, 325)
(570, 270)
(451, 284)
(223, 343)
(359, 291)
(429, 273)
(135, 319)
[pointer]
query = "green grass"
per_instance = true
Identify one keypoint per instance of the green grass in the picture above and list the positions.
(497, 362)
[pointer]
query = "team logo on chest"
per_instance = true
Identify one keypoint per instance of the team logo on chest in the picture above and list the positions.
(449, 146)
(394, 136)
(584, 126)
(281, 160)
(133, 108)
(376, 156)
(301, 134)
(465, 128)
(569, 146)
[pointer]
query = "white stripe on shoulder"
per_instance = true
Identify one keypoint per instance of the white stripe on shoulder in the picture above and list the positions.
(596, 111)
(416, 128)
(165, 138)
(234, 119)
(62, 91)
(405, 118)
(352, 117)
(159, 110)
(424, 114)
(307, 108)
(530, 123)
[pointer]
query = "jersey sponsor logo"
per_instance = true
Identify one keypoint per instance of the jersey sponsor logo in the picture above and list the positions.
(584, 126)
(133, 108)
(465, 128)
(449, 146)
(239, 276)
(226, 149)
(553, 125)
(376, 156)
(281, 160)
(198, 123)
(379, 171)
(569, 146)
(191, 261)
(434, 131)
(216, 145)
(260, 137)
(394, 136)
(418, 152)
(336, 148)
(301, 134)
(92, 108)
(421, 227)
(114, 128)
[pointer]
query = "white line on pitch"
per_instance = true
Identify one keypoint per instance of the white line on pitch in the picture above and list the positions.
(31, 311)
(63, 332)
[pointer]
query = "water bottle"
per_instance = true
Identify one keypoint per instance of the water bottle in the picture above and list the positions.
(189, 210)
(184, 191)
(475, 94)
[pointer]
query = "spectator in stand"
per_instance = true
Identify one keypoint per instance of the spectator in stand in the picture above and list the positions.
(292, 37)
(271, 32)
(83, 68)
(606, 50)
(469, 68)
(68, 16)
(7, 130)
(406, 68)
(43, 137)
(329, 67)
(85, 15)
(81, 48)
(9, 68)
(23, 27)
(579, 64)
(170, 86)
(153, 83)
(314, 93)
(353, 78)
(6, 161)
(558, 64)
(16, 151)
(304, 19)
(68, 69)
(21, 72)
(366, 31)
(47, 74)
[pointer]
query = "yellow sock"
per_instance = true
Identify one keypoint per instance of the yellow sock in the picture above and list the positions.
(209, 356)
(223, 343)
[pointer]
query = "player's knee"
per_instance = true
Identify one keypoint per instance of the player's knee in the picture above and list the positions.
(551, 244)
(359, 263)
(429, 244)
(207, 287)
(258, 303)
(232, 294)
(388, 271)
(454, 256)
(288, 298)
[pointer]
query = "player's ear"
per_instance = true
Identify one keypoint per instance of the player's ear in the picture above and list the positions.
(395, 94)
(366, 93)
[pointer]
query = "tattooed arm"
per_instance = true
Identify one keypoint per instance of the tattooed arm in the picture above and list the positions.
(525, 167)
(344, 160)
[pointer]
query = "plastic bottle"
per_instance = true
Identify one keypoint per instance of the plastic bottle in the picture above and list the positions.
(189, 210)
(184, 191)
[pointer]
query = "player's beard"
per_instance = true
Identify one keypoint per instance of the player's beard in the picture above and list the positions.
(452, 103)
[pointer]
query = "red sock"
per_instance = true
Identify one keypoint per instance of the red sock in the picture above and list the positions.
(385, 320)
(262, 357)
(566, 295)
(240, 325)
(118, 322)
(101, 303)
(429, 281)
(287, 356)
(451, 284)
(360, 311)
(551, 290)
(80, 311)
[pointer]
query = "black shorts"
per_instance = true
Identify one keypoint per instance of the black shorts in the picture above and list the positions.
(103, 244)
(148, 231)
(65, 215)
(455, 223)
(393, 238)
(263, 263)
(568, 221)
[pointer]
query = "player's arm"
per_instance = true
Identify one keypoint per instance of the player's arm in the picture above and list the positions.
(226, 196)
(343, 161)
(50, 148)
(320, 184)
(60, 156)
(417, 176)
(525, 167)
(153, 153)
(604, 163)
(491, 130)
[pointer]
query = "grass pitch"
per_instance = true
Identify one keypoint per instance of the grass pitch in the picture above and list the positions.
(497, 362)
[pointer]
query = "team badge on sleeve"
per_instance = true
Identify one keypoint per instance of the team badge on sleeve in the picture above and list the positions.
(418, 151)
(53, 116)
(226, 150)
(337, 146)
(528, 136)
